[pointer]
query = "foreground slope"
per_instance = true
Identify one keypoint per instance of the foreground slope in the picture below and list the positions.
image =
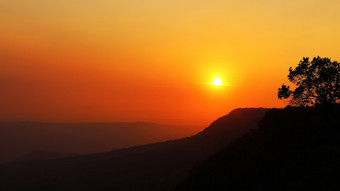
(158, 166)
(21, 138)
(293, 149)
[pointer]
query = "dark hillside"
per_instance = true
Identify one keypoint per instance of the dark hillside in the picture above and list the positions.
(151, 167)
(293, 149)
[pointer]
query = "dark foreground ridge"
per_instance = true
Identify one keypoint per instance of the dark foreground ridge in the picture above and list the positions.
(156, 167)
(293, 149)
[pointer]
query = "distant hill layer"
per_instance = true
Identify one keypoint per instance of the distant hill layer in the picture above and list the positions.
(293, 149)
(20, 138)
(153, 167)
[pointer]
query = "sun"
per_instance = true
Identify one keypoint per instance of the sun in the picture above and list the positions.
(217, 81)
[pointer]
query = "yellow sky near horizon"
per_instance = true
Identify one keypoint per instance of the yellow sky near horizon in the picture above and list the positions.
(151, 60)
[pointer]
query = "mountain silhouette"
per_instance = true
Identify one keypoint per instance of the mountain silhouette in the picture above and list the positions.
(293, 149)
(159, 166)
(19, 138)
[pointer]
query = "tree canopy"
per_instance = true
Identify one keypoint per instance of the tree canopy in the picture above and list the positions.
(316, 82)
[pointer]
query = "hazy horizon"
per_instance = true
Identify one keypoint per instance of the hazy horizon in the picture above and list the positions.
(154, 61)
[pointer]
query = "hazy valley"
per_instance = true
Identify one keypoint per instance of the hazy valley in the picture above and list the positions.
(19, 139)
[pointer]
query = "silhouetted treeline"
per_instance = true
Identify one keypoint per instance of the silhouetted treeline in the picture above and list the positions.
(316, 82)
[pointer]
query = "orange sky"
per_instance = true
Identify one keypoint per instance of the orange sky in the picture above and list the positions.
(152, 60)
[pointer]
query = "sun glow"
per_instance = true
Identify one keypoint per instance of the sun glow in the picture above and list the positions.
(217, 82)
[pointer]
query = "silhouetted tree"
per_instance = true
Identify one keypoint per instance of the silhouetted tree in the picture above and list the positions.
(317, 82)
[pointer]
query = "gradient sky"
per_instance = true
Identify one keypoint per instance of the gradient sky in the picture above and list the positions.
(153, 60)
